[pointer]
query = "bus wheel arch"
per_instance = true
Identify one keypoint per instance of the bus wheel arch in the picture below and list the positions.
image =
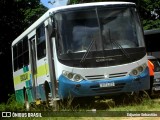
(26, 102)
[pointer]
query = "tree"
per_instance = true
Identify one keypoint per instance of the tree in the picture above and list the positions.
(30, 10)
(150, 13)
(16, 16)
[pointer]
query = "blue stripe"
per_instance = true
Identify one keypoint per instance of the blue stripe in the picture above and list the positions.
(92, 88)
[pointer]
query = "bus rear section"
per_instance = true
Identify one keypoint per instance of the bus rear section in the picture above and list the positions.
(152, 42)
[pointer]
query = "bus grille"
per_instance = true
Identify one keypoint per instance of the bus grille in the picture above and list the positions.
(99, 77)
(116, 88)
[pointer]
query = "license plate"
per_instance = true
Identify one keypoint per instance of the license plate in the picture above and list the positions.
(111, 84)
(157, 88)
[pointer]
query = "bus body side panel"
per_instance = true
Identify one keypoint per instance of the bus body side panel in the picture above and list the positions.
(42, 76)
(23, 80)
(19, 96)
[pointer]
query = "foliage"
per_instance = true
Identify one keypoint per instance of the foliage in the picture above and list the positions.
(150, 13)
(102, 107)
(30, 10)
(146, 105)
(16, 16)
(11, 105)
(151, 24)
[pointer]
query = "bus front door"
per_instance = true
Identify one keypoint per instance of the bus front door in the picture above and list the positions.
(33, 64)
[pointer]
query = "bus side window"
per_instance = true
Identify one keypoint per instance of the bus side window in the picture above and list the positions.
(21, 54)
(41, 42)
(25, 52)
(15, 59)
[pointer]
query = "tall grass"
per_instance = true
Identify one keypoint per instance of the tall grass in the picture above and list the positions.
(145, 105)
(100, 105)
(11, 105)
(70, 105)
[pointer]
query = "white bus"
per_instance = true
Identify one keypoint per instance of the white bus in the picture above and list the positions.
(81, 50)
(152, 38)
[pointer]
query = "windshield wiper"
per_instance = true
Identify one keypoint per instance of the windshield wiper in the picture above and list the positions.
(88, 50)
(120, 47)
(93, 40)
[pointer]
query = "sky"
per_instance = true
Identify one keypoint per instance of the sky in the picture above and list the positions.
(54, 3)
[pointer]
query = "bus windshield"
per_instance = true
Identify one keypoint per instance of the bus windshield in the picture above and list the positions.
(95, 30)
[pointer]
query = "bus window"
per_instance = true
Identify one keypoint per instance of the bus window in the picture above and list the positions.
(20, 57)
(21, 54)
(15, 57)
(41, 43)
(25, 52)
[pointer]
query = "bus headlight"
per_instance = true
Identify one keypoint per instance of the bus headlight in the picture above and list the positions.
(72, 76)
(135, 72)
(77, 77)
(138, 70)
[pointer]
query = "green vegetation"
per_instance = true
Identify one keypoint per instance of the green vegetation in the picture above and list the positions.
(146, 104)
(11, 105)
(101, 109)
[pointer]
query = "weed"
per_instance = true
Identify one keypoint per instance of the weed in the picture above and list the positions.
(81, 104)
(11, 105)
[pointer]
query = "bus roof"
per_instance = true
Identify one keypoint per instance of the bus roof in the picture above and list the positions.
(152, 31)
(47, 14)
(91, 4)
(151, 57)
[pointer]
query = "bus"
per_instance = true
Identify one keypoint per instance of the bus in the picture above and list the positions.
(82, 50)
(152, 38)
(155, 89)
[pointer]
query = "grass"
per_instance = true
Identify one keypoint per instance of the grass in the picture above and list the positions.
(104, 109)
(11, 105)
(146, 105)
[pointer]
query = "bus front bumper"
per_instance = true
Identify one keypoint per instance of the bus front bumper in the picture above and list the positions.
(104, 87)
